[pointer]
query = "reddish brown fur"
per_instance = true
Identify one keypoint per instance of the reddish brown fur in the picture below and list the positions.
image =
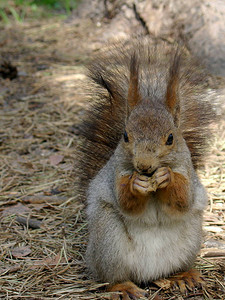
(172, 98)
(127, 289)
(171, 93)
(190, 278)
(131, 202)
(134, 96)
(175, 195)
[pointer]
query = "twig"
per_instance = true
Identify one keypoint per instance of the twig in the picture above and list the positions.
(30, 223)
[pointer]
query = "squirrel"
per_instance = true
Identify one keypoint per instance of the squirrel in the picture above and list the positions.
(144, 137)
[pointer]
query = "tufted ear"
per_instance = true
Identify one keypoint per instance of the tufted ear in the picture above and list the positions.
(134, 96)
(172, 92)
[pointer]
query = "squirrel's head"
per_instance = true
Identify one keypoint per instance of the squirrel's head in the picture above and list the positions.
(152, 134)
(152, 139)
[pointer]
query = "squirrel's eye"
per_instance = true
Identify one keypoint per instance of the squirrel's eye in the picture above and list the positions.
(169, 140)
(125, 136)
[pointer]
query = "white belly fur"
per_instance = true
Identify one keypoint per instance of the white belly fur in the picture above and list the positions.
(159, 251)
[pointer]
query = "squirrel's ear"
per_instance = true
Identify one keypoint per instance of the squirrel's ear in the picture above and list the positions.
(133, 92)
(172, 92)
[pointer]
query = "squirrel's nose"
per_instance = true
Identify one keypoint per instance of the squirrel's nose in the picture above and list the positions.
(143, 169)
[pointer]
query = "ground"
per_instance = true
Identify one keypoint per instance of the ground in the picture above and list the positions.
(42, 256)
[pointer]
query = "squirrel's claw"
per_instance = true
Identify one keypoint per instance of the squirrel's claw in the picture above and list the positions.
(183, 281)
(126, 291)
(187, 280)
(162, 177)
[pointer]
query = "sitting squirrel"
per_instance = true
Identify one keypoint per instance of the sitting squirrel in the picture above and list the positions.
(144, 136)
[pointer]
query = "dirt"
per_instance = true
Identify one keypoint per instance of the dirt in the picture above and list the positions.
(39, 131)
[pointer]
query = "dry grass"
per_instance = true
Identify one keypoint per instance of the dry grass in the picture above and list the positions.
(42, 254)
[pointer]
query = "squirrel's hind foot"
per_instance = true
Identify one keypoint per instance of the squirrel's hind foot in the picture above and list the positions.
(126, 291)
(183, 281)
(187, 280)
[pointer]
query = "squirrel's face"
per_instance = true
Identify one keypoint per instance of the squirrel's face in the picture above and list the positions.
(151, 139)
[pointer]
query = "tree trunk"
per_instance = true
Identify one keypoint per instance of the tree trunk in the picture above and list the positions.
(199, 24)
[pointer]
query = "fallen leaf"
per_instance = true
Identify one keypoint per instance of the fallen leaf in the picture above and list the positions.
(55, 159)
(49, 262)
(10, 269)
(19, 252)
(52, 261)
(28, 165)
(22, 166)
(39, 199)
(18, 209)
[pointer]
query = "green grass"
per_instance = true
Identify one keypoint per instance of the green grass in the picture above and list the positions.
(66, 5)
(20, 10)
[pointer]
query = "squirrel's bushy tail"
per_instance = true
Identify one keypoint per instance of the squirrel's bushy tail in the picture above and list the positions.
(105, 120)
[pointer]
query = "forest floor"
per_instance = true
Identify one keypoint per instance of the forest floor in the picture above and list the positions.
(43, 233)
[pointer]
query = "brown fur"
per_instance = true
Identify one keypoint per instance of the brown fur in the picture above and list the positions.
(175, 195)
(192, 278)
(131, 202)
(172, 97)
(133, 92)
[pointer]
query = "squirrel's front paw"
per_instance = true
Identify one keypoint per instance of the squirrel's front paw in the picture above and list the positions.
(142, 184)
(162, 177)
